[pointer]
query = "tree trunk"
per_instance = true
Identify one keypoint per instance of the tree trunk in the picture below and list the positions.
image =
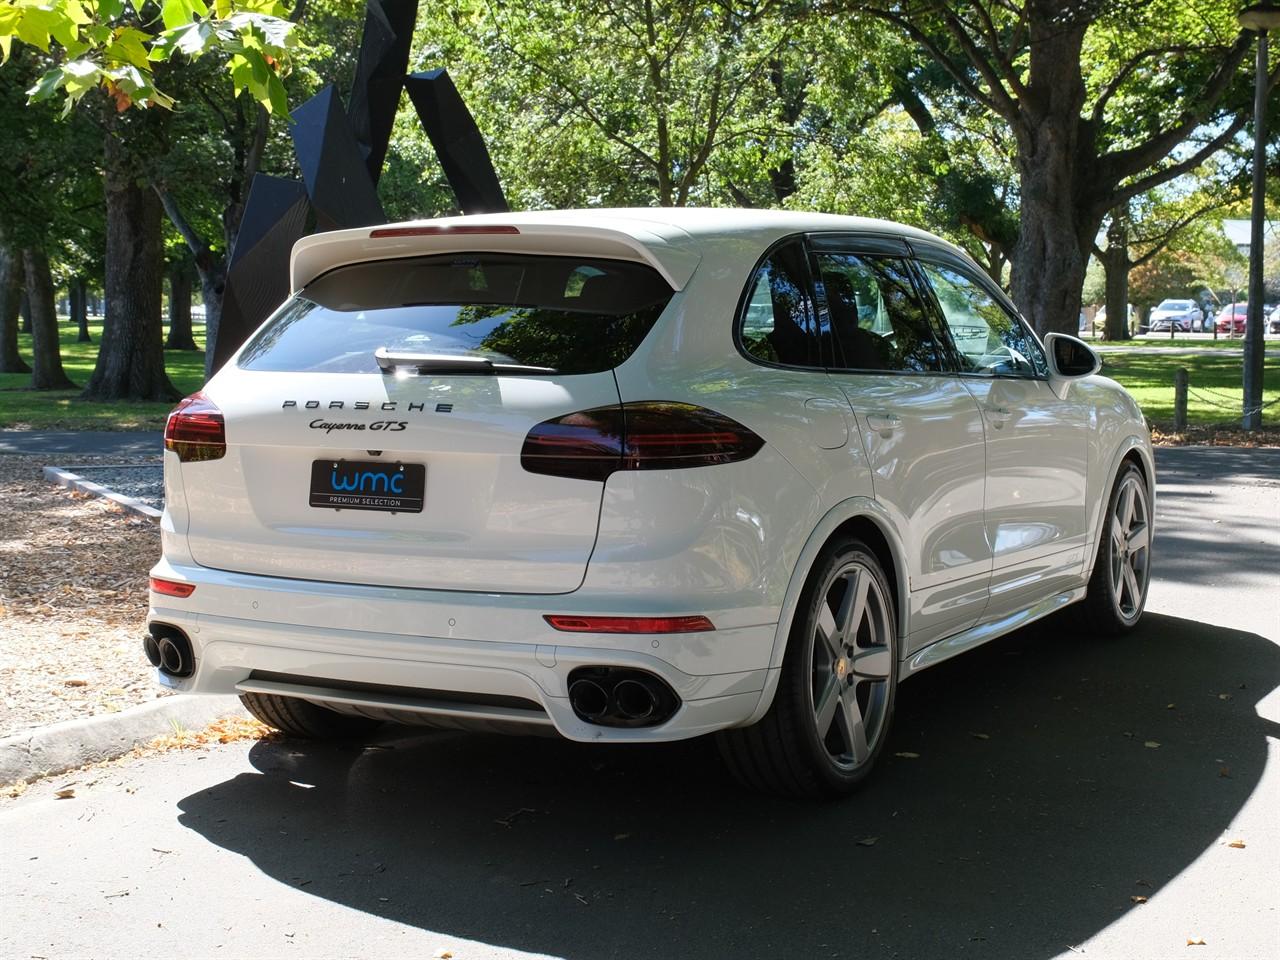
(180, 310)
(131, 359)
(10, 292)
(80, 308)
(24, 309)
(1115, 265)
(1057, 225)
(213, 284)
(46, 351)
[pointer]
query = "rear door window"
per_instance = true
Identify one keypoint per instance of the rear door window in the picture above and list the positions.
(569, 315)
(878, 321)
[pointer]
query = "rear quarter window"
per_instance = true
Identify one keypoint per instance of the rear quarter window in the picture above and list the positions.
(571, 315)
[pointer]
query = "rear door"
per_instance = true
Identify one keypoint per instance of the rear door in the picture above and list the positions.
(374, 425)
(920, 427)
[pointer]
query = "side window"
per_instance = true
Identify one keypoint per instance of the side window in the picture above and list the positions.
(989, 340)
(778, 324)
(876, 317)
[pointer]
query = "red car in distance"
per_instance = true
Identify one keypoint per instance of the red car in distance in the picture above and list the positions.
(1231, 319)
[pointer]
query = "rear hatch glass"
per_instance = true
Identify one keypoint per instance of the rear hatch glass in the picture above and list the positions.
(565, 315)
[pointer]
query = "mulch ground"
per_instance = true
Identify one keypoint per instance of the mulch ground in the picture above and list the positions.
(73, 600)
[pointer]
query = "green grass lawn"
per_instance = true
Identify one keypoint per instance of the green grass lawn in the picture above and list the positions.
(1213, 381)
(1148, 376)
(22, 407)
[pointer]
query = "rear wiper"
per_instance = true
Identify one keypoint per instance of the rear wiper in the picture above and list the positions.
(451, 363)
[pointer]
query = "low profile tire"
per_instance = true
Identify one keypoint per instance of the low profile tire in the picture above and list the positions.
(306, 720)
(830, 716)
(1122, 570)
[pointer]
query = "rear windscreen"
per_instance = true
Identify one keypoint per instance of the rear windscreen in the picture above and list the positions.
(567, 314)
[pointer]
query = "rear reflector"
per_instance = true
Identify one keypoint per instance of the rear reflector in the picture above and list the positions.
(470, 230)
(650, 435)
(629, 624)
(195, 430)
(172, 588)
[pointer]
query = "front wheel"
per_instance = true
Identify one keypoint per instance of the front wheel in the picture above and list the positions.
(1122, 570)
(830, 716)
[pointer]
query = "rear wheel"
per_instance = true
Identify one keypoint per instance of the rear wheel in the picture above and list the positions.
(831, 713)
(301, 718)
(1122, 570)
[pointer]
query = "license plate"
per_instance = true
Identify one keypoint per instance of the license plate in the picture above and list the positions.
(368, 485)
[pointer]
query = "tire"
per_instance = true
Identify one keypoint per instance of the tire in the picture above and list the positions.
(1115, 599)
(806, 746)
(301, 718)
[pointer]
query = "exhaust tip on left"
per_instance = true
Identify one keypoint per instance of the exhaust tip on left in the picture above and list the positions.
(169, 651)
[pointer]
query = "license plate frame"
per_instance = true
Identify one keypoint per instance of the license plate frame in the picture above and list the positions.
(369, 485)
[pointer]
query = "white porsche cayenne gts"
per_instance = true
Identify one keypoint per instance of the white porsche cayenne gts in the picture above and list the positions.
(639, 475)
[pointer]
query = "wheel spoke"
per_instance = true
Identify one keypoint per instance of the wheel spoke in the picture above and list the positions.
(1131, 584)
(829, 631)
(826, 706)
(873, 663)
(855, 728)
(1139, 538)
(853, 606)
(1117, 531)
(1126, 505)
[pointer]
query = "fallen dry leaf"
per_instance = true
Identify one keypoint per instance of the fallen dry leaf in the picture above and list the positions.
(1153, 744)
(868, 841)
(1138, 899)
(980, 736)
(442, 955)
(1195, 941)
(65, 794)
(1224, 771)
(907, 755)
(1224, 696)
(75, 682)
(1237, 844)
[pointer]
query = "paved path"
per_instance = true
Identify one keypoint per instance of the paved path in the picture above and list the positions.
(1037, 808)
(87, 443)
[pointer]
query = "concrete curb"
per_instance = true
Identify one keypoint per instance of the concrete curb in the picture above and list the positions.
(73, 743)
(76, 482)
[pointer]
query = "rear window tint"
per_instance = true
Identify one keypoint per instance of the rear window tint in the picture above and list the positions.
(569, 314)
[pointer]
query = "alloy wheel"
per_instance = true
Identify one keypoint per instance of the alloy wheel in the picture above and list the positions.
(851, 665)
(1130, 552)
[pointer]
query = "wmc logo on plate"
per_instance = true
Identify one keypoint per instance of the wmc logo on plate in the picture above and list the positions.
(368, 485)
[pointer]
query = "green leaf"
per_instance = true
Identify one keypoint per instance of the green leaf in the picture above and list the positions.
(277, 98)
(110, 9)
(34, 27)
(128, 48)
(47, 86)
(175, 13)
(6, 44)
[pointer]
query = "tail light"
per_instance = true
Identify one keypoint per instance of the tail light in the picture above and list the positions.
(172, 588)
(650, 435)
(195, 431)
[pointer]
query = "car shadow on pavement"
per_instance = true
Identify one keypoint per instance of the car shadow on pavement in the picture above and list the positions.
(1028, 791)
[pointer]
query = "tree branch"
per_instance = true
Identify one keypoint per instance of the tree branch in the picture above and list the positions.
(1126, 163)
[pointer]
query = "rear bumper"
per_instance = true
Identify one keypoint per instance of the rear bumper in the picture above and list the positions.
(483, 645)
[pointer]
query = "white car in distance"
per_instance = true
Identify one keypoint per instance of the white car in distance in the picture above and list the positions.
(639, 475)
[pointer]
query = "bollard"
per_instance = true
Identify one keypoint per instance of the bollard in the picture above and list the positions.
(1180, 400)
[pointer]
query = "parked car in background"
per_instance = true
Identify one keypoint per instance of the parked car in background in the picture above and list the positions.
(604, 474)
(1180, 315)
(1273, 324)
(1231, 319)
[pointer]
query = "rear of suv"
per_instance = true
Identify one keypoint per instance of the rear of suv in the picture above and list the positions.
(422, 491)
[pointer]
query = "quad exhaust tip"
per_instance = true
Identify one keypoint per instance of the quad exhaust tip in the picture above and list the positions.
(620, 697)
(168, 650)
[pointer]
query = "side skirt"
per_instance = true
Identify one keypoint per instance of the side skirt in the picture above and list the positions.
(947, 648)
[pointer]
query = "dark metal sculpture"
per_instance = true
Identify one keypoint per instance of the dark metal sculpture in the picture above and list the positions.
(275, 218)
(375, 91)
(457, 142)
(341, 154)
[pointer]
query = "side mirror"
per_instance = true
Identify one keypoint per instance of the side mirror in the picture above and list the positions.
(1069, 358)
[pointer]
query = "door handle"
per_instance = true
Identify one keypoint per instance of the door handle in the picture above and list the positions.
(999, 416)
(884, 423)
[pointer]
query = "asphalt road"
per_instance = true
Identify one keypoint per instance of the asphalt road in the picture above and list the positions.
(1039, 805)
